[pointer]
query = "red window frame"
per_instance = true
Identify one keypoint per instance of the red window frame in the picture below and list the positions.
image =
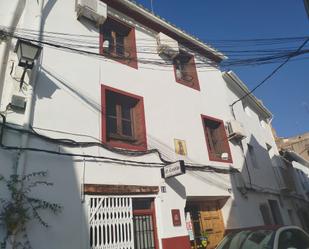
(139, 122)
(192, 74)
(129, 39)
(224, 137)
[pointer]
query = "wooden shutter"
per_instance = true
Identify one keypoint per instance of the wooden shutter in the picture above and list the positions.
(225, 147)
(210, 143)
(139, 123)
(130, 48)
(193, 73)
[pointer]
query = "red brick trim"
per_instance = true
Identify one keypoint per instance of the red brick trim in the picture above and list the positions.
(180, 242)
(104, 189)
(120, 144)
(224, 136)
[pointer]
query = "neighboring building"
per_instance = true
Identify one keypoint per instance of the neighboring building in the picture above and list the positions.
(298, 144)
(104, 121)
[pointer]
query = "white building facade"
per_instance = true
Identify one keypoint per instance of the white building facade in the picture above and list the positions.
(107, 105)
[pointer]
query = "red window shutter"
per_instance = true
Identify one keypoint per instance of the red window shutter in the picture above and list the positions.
(193, 74)
(225, 147)
(130, 49)
(139, 124)
(211, 147)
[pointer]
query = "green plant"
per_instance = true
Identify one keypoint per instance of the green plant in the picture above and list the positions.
(20, 207)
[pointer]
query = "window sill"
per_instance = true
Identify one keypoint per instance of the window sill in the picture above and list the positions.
(119, 137)
(218, 159)
(126, 145)
(129, 61)
(192, 84)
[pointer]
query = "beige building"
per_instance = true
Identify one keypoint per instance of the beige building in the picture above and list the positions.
(298, 144)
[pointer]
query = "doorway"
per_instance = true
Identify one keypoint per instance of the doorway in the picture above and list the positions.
(206, 222)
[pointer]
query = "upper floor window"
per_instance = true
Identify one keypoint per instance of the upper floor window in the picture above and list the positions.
(117, 41)
(216, 139)
(123, 120)
(185, 70)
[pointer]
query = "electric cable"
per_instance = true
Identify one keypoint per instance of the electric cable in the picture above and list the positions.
(72, 143)
(272, 73)
(272, 58)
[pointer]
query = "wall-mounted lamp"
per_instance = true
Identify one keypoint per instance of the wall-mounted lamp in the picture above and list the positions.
(27, 53)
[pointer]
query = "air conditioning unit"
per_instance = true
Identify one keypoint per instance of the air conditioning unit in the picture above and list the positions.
(235, 130)
(167, 45)
(94, 10)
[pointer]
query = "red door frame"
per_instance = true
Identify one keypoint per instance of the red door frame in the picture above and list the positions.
(152, 212)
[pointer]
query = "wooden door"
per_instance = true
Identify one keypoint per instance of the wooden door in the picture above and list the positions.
(207, 222)
(212, 222)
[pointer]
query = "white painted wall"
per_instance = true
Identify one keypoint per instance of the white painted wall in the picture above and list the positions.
(68, 99)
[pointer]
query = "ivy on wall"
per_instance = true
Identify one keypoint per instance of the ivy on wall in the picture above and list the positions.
(20, 207)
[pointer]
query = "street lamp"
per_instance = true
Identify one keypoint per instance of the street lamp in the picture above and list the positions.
(27, 53)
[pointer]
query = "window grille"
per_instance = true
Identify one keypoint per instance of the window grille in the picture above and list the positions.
(143, 232)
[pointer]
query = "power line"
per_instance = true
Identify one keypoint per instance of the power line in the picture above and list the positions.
(272, 73)
(264, 56)
(72, 143)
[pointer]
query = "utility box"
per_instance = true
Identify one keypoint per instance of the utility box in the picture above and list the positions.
(94, 10)
(18, 101)
(167, 45)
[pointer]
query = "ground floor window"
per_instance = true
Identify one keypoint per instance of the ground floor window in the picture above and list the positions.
(121, 222)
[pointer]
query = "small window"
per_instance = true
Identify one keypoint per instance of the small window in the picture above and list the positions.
(117, 41)
(264, 209)
(123, 122)
(275, 211)
(252, 154)
(216, 139)
(185, 70)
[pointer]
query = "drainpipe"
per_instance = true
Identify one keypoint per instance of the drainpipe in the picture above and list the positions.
(10, 13)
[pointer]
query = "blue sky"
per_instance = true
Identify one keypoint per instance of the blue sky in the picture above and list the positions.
(286, 94)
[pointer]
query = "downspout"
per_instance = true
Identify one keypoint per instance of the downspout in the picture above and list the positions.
(10, 13)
